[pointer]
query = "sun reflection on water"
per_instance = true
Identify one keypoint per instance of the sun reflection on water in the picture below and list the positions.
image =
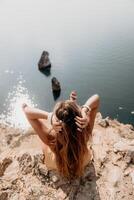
(14, 115)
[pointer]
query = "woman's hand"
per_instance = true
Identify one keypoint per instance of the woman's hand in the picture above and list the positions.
(24, 105)
(83, 121)
(57, 126)
(73, 96)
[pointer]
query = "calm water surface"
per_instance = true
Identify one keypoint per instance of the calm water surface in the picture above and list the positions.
(91, 46)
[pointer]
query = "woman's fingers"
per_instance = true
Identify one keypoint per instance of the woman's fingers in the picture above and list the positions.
(57, 123)
(81, 122)
(80, 126)
(57, 129)
(73, 98)
(73, 95)
(24, 105)
(81, 119)
(57, 126)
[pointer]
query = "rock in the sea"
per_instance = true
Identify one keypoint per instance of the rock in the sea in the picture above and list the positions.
(44, 61)
(55, 84)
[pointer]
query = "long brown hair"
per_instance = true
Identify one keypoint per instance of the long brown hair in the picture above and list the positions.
(71, 144)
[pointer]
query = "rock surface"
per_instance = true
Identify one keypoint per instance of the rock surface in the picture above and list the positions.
(24, 176)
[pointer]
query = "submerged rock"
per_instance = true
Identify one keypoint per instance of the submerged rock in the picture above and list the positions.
(44, 61)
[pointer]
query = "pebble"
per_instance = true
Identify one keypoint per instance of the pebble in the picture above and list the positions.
(54, 179)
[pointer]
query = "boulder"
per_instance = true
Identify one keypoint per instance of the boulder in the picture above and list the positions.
(55, 85)
(104, 122)
(44, 61)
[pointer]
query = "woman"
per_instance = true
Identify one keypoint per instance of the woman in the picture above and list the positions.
(64, 134)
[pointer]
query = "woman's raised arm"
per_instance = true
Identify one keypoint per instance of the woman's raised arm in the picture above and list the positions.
(93, 102)
(35, 118)
(34, 113)
(88, 111)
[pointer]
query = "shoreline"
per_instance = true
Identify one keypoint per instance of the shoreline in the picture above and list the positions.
(23, 175)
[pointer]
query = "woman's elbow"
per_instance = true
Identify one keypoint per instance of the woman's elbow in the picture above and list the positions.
(97, 99)
(26, 112)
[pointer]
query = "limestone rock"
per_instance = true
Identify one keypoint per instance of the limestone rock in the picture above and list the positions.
(124, 146)
(110, 175)
(43, 169)
(114, 175)
(103, 122)
(132, 177)
(4, 164)
(4, 196)
(129, 157)
(60, 194)
(26, 163)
